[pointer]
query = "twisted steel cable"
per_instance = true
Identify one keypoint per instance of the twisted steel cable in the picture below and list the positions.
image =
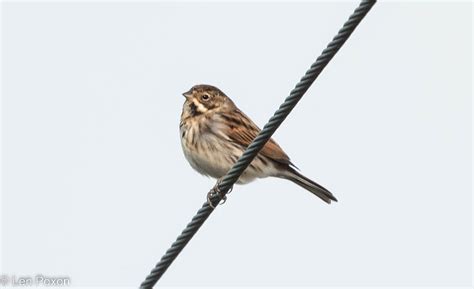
(252, 150)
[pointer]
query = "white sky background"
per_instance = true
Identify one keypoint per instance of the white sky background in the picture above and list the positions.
(95, 185)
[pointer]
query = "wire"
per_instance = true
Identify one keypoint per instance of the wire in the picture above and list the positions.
(243, 162)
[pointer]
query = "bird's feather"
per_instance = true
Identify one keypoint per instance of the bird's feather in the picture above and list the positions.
(243, 130)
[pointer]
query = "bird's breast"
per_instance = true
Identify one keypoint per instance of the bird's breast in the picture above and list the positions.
(205, 149)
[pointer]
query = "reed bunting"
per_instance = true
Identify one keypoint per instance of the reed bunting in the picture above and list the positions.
(215, 133)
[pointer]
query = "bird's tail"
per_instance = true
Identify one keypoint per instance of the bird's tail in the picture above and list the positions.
(297, 178)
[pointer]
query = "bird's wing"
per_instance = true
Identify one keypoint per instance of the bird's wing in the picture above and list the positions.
(243, 130)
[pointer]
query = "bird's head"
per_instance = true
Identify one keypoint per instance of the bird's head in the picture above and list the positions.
(203, 98)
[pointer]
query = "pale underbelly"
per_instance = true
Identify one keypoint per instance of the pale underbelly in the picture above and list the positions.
(211, 158)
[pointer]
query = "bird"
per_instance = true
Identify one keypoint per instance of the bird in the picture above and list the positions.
(215, 133)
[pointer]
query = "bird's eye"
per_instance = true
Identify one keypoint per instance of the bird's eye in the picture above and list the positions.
(205, 97)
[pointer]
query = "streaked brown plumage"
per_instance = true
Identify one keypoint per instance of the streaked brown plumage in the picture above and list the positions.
(215, 133)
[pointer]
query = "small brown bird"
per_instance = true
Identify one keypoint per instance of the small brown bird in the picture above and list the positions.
(215, 133)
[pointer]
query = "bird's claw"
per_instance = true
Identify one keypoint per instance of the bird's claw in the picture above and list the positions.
(215, 191)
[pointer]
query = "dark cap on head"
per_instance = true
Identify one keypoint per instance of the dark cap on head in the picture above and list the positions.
(203, 88)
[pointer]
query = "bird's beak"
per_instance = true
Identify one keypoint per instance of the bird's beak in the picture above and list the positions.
(187, 94)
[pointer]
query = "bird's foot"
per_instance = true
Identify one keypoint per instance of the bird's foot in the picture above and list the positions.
(215, 191)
